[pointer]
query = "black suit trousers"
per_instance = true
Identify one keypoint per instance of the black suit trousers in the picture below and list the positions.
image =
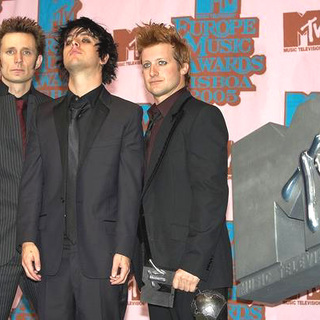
(69, 295)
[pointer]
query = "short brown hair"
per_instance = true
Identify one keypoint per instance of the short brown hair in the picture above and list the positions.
(24, 25)
(150, 34)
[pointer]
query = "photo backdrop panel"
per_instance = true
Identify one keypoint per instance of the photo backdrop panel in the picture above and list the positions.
(258, 61)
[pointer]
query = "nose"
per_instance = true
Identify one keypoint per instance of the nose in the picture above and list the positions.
(153, 70)
(18, 57)
(75, 42)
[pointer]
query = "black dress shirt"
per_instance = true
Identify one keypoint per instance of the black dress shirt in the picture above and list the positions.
(83, 124)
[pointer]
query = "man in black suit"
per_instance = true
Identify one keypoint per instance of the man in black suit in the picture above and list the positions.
(22, 43)
(81, 184)
(185, 192)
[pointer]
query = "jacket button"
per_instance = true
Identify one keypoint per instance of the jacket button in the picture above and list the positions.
(62, 200)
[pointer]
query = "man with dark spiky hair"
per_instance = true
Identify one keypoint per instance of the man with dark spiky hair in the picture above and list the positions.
(80, 188)
(22, 43)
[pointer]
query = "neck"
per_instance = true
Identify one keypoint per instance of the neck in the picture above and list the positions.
(80, 84)
(159, 99)
(17, 89)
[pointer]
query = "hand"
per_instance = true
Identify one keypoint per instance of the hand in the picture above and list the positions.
(31, 260)
(120, 263)
(185, 281)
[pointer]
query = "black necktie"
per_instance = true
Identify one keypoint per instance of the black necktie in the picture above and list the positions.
(154, 116)
(77, 109)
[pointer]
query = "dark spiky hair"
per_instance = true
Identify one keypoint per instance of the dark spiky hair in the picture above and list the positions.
(105, 45)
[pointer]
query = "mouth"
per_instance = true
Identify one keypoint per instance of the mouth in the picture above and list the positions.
(17, 70)
(74, 51)
(155, 82)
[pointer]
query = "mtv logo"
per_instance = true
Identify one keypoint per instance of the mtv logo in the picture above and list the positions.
(217, 8)
(53, 14)
(127, 47)
(301, 29)
(276, 188)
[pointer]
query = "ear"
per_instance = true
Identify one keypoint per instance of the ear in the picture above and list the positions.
(184, 69)
(104, 60)
(38, 61)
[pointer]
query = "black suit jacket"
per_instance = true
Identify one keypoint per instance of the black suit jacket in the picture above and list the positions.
(185, 198)
(11, 160)
(108, 185)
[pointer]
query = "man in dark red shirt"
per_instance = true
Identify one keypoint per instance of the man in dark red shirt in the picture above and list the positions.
(21, 50)
(185, 191)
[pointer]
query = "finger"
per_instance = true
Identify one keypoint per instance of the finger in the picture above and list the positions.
(182, 285)
(194, 284)
(175, 281)
(115, 268)
(175, 284)
(28, 267)
(34, 274)
(122, 276)
(37, 263)
(27, 272)
(193, 288)
(189, 284)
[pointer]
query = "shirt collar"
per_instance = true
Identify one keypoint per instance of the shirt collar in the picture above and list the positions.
(165, 106)
(92, 96)
(4, 90)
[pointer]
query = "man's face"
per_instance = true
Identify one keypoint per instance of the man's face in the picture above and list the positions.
(161, 72)
(18, 57)
(80, 52)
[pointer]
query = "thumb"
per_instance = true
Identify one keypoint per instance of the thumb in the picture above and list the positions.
(37, 263)
(115, 266)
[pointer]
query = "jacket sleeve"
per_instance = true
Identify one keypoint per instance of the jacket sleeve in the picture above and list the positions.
(129, 185)
(207, 167)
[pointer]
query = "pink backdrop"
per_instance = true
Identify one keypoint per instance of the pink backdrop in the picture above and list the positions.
(283, 72)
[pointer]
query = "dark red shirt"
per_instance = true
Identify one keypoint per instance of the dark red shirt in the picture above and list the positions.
(164, 108)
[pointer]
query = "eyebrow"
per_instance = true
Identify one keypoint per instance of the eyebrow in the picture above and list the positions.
(155, 59)
(80, 33)
(24, 48)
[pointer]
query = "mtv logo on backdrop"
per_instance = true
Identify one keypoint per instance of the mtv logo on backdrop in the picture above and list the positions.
(217, 8)
(127, 47)
(301, 31)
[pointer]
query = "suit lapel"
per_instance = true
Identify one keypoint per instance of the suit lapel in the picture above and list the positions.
(61, 122)
(161, 138)
(34, 100)
(32, 103)
(100, 113)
